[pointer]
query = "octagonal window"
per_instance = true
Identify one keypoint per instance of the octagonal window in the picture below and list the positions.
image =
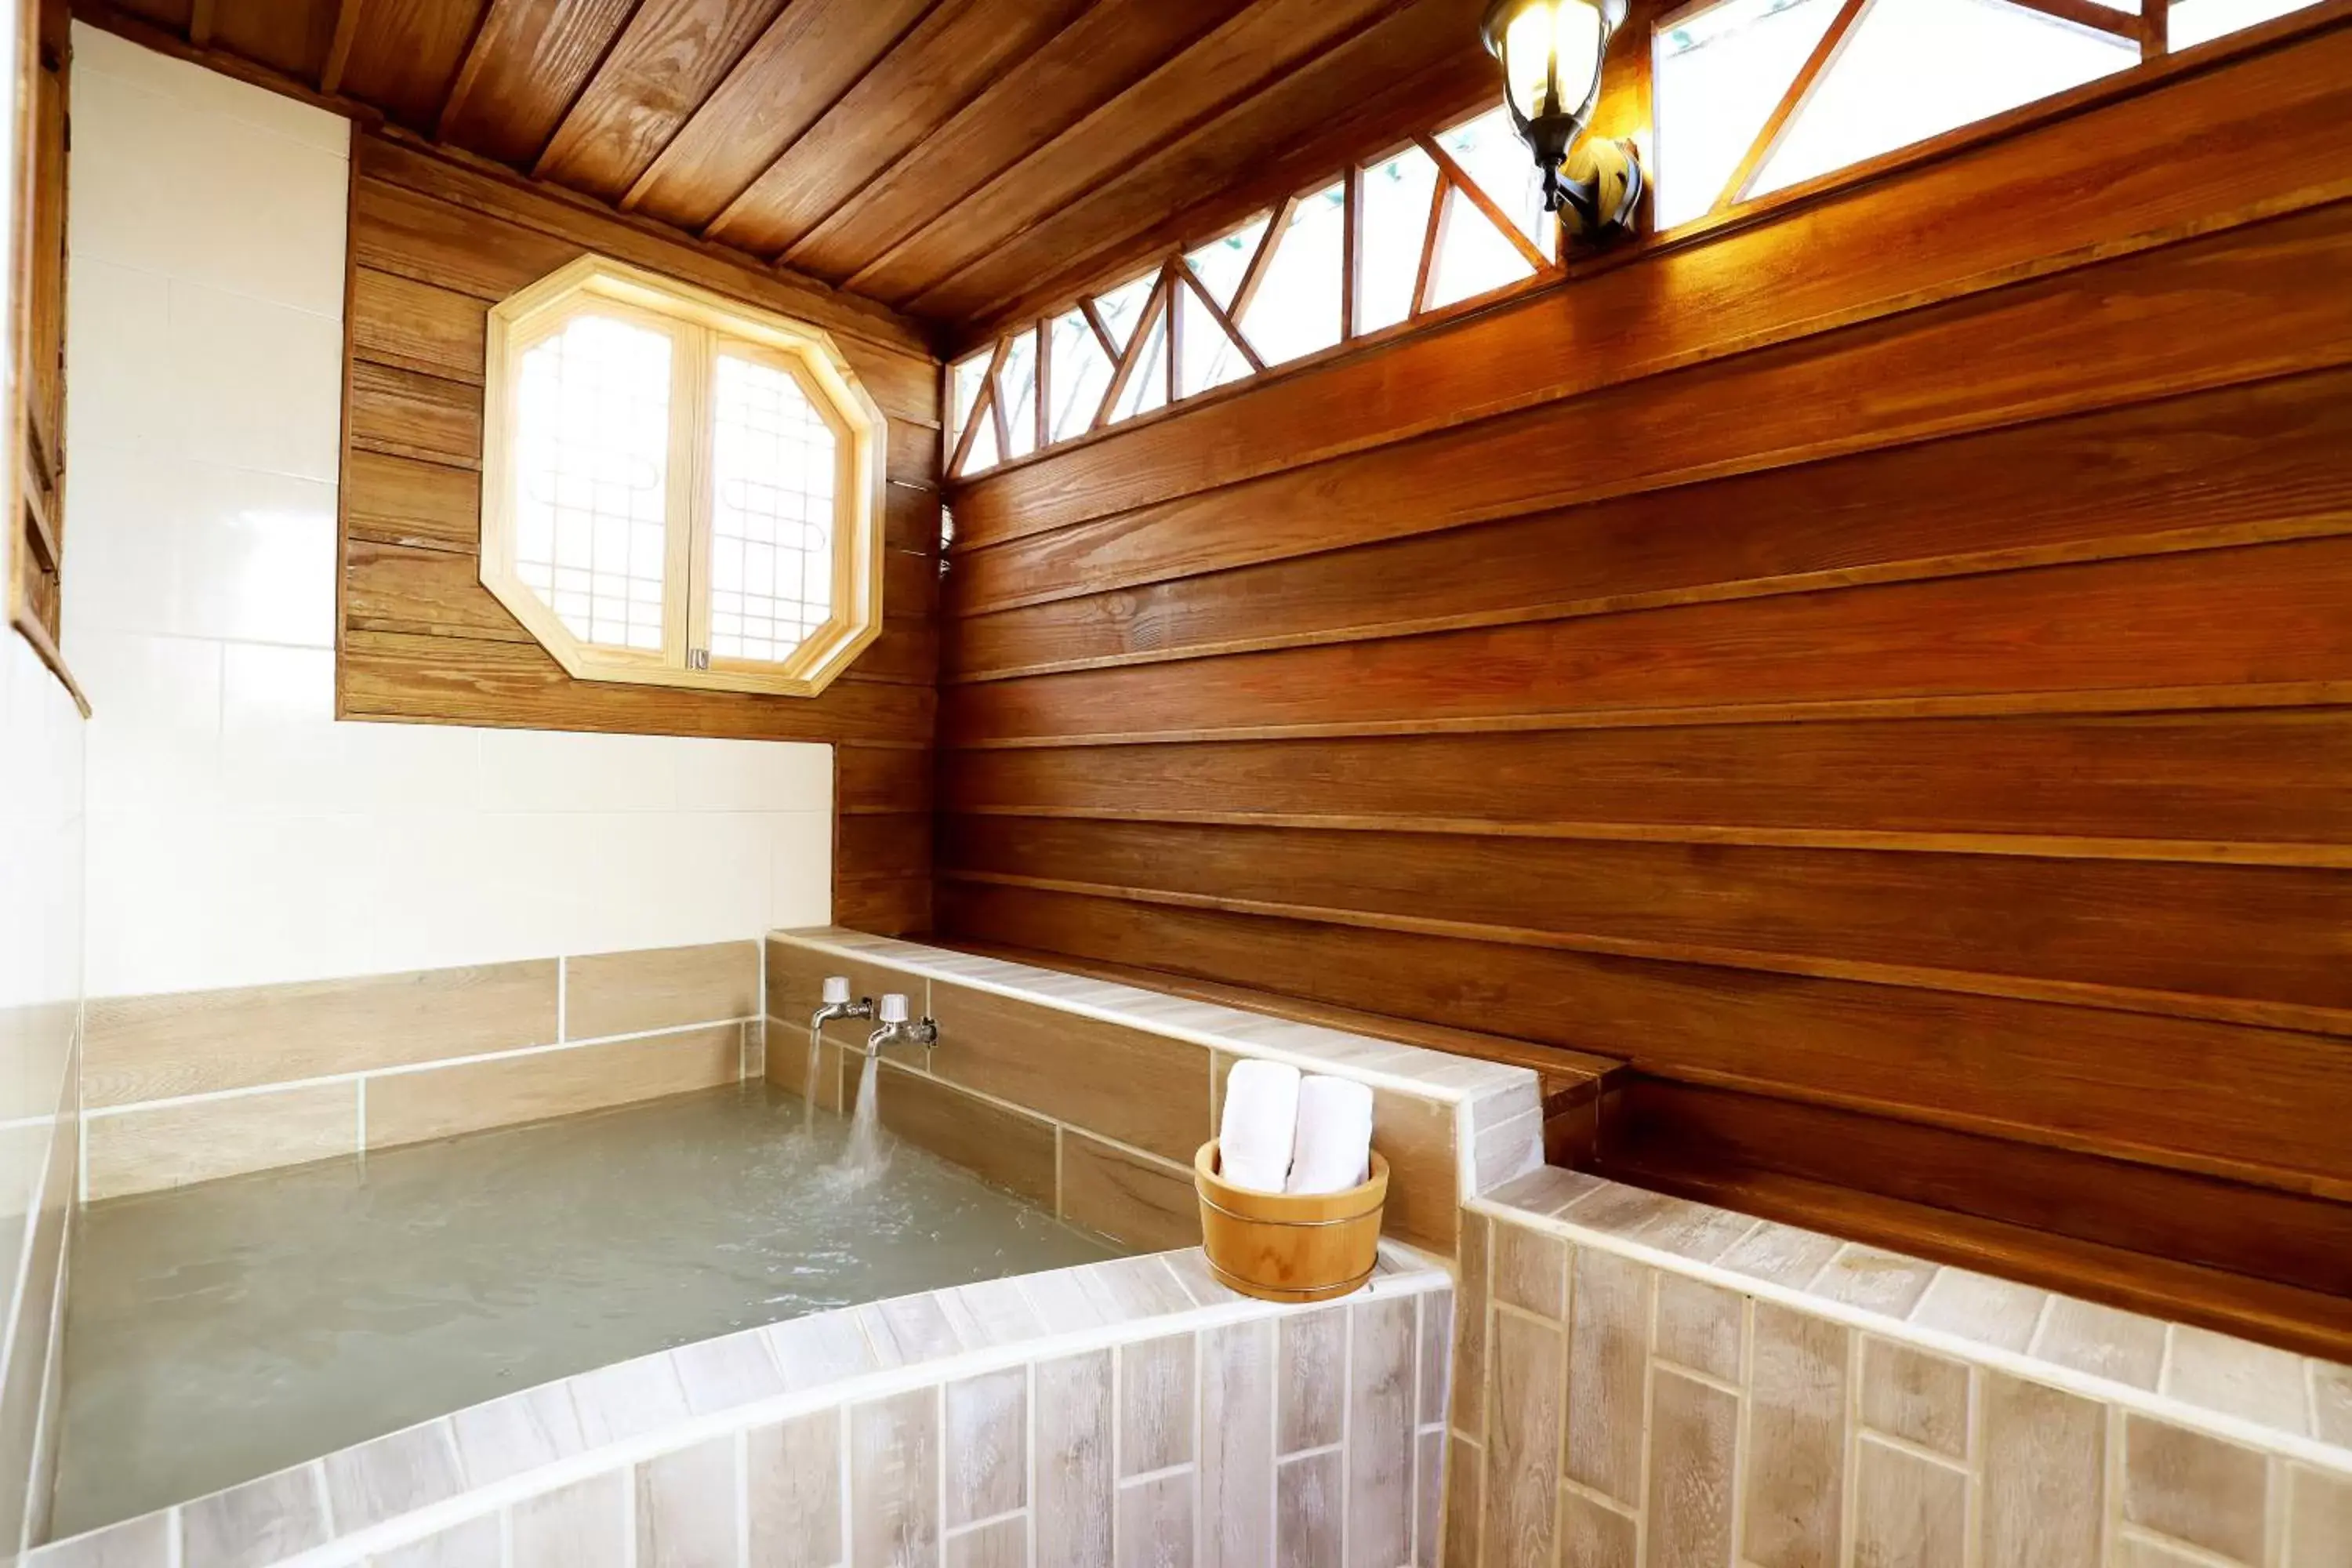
(676, 488)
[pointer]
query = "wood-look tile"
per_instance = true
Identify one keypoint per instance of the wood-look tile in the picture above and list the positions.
(1062, 1300)
(1547, 1190)
(1916, 1396)
(721, 1373)
(894, 1480)
(2137, 1551)
(1998, 1312)
(1465, 1502)
(1415, 1136)
(1155, 1416)
(821, 1348)
(1470, 1323)
(1694, 1443)
(1593, 1535)
(1128, 1197)
(580, 1526)
(796, 989)
(986, 1446)
(1308, 1506)
(1699, 1325)
(415, 1107)
(1126, 1289)
(909, 1329)
(663, 988)
(1380, 1397)
(1436, 1354)
(1795, 1462)
(1607, 1361)
(990, 1312)
(1697, 1231)
(1003, 1544)
(685, 1507)
(2318, 1517)
(141, 1542)
(155, 1047)
(1779, 1254)
(1313, 1380)
(1005, 1147)
(1909, 1512)
(1529, 1268)
(2331, 1398)
(1237, 1388)
(257, 1523)
(1149, 1091)
(2044, 1476)
(1155, 1521)
(2195, 1487)
(2086, 1337)
(173, 1145)
(628, 1398)
(1428, 1497)
(792, 1486)
(392, 1475)
(1529, 1360)
(2238, 1377)
(519, 1432)
(787, 1060)
(1073, 1506)
(1876, 1281)
(473, 1545)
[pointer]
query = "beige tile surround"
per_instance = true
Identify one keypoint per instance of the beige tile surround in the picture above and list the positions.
(1647, 1382)
(1130, 1412)
(200, 1085)
(1091, 1096)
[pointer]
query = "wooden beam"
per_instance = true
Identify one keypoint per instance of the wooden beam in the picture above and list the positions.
(1045, 385)
(339, 51)
(1432, 236)
(200, 23)
(1253, 276)
(1217, 314)
(972, 421)
(2088, 13)
(1127, 361)
(1824, 55)
(2154, 29)
(1461, 181)
(469, 70)
(1102, 333)
(1352, 247)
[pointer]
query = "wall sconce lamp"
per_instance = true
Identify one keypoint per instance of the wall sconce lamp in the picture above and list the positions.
(1551, 52)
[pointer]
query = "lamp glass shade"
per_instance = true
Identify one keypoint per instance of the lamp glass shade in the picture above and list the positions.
(1553, 45)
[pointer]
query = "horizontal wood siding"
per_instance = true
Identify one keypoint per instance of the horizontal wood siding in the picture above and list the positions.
(1885, 666)
(433, 247)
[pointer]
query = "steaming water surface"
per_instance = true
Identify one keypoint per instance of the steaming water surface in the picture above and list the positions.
(221, 1332)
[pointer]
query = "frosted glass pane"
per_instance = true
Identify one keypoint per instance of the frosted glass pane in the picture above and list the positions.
(2193, 22)
(1081, 374)
(1017, 384)
(1297, 311)
(1221, 262)
(1718, 75)
(591, 472)
(1123, 307)
(1915, 69)
(1473, 255)
(1211, 358)
(1396, 196)
(1491, 152)
(775, 471)
(1147, 388)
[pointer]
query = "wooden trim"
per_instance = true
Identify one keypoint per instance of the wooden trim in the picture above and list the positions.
(1175, 367)
(1217, 314)
(1529, 251)
(338, 49)
(1102, 332)
(1124, 370)
(29, 627)
(2089, 14)
(1433, 236)
(996, 415)
(987, 395)
(1044, 399)
(1824, 55)
(1253, 277)
(469, 69)
(200, 23)
(2154, 29)
(1351, 250)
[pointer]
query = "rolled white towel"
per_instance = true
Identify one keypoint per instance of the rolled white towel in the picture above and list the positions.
(1261, 1118)
(1334, 1145)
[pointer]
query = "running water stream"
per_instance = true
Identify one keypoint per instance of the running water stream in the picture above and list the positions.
(863, 1158)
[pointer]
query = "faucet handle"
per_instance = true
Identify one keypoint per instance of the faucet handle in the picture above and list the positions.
(836, 990)
(894, 1007)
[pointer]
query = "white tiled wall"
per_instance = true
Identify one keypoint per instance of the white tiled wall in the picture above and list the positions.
(238, 833)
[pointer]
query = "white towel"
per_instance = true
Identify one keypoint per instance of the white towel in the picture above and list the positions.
(1334, 1145)
(1260, 1119)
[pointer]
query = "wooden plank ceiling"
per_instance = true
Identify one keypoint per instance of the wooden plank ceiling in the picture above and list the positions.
(942, 156)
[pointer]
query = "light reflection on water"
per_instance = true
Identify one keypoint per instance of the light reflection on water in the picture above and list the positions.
(223, 1331)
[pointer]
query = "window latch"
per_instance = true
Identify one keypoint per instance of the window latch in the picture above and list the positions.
(698, 658)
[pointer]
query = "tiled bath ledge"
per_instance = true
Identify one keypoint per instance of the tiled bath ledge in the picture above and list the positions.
(1135, 1401)
(1643, 1380)
(1104, 1073)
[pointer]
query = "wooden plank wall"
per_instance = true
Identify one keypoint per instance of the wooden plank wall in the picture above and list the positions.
(432, 247)
(1881, 670)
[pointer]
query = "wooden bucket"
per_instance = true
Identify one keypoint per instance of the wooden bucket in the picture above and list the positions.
(1278, 1247)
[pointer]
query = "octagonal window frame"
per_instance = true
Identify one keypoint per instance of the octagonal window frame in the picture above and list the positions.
(698, 323)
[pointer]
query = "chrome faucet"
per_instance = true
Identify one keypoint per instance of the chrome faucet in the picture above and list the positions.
(896, 1031)
(838, 1004)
